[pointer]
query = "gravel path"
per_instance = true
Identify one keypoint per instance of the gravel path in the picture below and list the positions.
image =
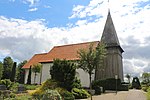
(122, 95)
(136, 95)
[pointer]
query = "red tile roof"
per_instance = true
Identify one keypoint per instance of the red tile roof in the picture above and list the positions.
(68, 52)
(35, 59)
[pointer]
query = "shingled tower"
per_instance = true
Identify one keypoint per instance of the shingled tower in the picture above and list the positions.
(113, 61)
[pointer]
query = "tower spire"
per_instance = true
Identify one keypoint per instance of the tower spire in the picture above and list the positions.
(113, 62)
(109, 36)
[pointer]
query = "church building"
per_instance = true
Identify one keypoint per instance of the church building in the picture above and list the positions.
(112, 63)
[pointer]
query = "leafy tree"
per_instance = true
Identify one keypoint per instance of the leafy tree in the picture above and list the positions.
(21, 72)
(13, 72)
(1, 69)
(64, 72)
(36, 69)
(7, 67)
(91, 58)
(128, 77)
(29, 76)
(146, 78)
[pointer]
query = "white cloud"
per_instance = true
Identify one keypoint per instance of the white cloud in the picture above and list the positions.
(22, 39)
(31, 2)
(33, 9)
(46, 6)
(135, 67)
(96, 7)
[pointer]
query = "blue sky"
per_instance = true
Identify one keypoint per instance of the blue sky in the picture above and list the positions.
(54, 12)
(28, 27)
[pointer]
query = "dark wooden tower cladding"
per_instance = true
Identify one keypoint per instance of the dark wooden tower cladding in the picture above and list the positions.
(113, 62)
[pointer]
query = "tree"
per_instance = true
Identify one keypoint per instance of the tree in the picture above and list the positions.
(1, 69)
(21, 72)
(91, 58)
(36, 69)
(146, 78)
(29, 76)
(64, 72)
(7, 67)
(128, 77)
(13, 72)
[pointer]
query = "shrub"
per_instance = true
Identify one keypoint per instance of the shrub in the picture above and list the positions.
(123, 88)
(4, 94)
(97, 84)
(51, 95)
(38, 94)
(97, 90)
(44, 88)
(49, 84)
(148, 93)
(12, 95)
(46, 95)
(7, 83)
(64, 72)
(66, 95)
(80, 93)
(20, 74)
(24, 97)
(145, 88)
(109, 84)
(76, 83)
(31, 87)
(14, 87)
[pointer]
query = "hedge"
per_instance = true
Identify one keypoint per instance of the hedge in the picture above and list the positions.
(109, 84)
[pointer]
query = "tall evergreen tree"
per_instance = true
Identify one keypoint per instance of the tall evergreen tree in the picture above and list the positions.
(64, 72)
(29, 76)
(1, 69)
(7, 67)
(13, 72)
(21, 72)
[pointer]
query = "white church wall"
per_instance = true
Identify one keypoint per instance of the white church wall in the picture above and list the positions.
(26, 75)
(37, 81)
(84, 77)
(45, 71)
(45, 74)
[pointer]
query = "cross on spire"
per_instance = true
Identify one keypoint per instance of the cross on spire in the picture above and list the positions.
(108, 6)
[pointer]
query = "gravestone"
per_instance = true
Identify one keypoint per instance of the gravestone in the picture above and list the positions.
(21, 88)
(2, 87)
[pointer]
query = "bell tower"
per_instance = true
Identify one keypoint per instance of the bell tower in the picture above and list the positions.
(113, 61)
